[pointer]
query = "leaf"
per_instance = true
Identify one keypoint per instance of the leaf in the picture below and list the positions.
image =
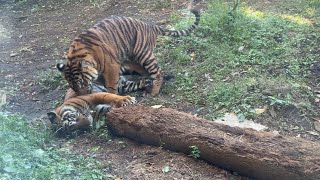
(10, 169)
(241, 117)
(156, 106)
(260, 110)
(193, 56)
(241, 48)
(166, 169)
(313, 133)
(39, 153)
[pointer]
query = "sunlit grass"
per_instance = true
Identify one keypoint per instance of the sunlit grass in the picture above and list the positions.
(242, 60)
(297, 19)
(253, 13)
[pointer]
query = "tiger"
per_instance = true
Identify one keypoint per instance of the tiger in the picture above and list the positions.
(125, 86)
(75, 112)
(114, 45)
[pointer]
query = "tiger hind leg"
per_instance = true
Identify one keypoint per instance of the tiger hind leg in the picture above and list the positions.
(126, 86)
(150, 64)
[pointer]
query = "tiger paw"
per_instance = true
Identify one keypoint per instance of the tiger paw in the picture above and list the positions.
(148, 86)
(126, 101)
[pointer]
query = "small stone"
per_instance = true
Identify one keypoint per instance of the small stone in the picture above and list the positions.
(276, 133)
(241, 48)
(13, 54)
(313, 133)
(317, 126)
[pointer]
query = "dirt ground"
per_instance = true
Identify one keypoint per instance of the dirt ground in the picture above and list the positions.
(33, 37)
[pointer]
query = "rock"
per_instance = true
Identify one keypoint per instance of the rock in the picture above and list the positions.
(13, 54)
(3, 98)
(317, 126)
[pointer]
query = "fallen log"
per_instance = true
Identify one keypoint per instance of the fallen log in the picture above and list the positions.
(260, 155)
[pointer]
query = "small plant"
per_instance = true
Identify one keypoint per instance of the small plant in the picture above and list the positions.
(51, 79)
(35, 8)
(109, 165)
(97, 3)
(277, 101)
(161, 4)
(166, 169)
(195, 152)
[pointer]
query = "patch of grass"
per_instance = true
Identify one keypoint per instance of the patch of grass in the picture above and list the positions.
(161, 4)
(245, 59)
(98, 3)
(28, 153)
(52, 79)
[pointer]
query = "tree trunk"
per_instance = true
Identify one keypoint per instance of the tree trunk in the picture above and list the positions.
(260, 155)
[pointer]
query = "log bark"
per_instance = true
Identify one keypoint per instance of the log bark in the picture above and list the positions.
(260, 155)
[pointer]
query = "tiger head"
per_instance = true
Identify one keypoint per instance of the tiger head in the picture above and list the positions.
(70, 121)
(80, 73)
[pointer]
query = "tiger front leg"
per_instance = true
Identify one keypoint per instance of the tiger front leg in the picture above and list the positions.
(125, 101)
(112, 78)
(157, 83)
(113, 100)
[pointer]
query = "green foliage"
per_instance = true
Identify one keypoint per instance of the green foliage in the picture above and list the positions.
(195, 152)
(97, 3)
(26, 153)
(160, 4)
(244, 59)
(166, 169)
(52, 79)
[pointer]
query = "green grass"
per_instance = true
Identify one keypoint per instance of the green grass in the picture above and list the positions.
(28, 152)
(52, 79)
(245, 59)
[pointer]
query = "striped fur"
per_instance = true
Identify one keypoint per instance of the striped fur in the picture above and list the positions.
(125, 86)
(75, 113)
(112, 46)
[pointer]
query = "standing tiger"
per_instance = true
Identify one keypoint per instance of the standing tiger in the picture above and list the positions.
(114, 45)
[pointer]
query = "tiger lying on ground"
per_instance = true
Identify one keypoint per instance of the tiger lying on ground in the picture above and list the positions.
(112, 47)
(75, 113)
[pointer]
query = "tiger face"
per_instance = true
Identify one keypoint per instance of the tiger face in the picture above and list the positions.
(80, 75)
(70, 121)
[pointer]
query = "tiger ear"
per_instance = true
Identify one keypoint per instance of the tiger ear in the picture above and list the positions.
(52, 117)
(85, 64)
(60, 67)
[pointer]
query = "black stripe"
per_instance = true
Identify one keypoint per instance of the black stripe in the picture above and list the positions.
(108, 32)
(78, 56)
(123, 44)
(81, 98)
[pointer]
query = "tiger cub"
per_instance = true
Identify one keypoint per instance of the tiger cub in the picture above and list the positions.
(75, 113)
(112, 45)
